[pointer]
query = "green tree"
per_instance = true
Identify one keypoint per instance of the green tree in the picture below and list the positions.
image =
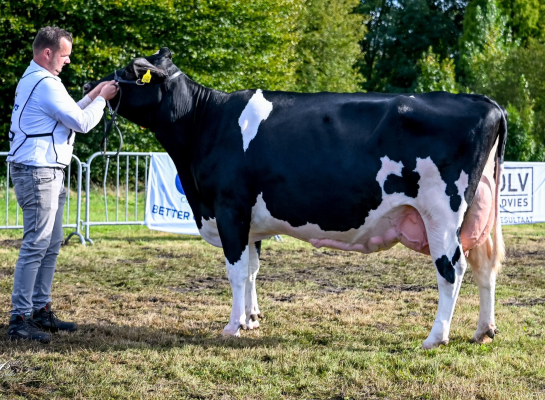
(436, 74)
(329, 46)
(227, 45)
(526, 18)
(399, 31)
(491, 62)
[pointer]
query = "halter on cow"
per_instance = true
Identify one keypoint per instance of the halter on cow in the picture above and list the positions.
(359, 172)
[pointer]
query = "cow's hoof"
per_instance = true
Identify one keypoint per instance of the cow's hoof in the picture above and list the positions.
(430, 344)
(260, 315)
(244, 327)
(487, 336)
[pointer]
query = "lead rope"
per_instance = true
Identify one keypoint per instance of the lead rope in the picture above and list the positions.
(108, 126)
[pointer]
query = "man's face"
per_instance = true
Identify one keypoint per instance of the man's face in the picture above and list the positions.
(58, 59)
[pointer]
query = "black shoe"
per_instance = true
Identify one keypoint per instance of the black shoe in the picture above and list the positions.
(23, 327)
(48, 321)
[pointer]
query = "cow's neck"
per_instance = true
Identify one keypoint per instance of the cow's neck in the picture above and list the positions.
(183, 112)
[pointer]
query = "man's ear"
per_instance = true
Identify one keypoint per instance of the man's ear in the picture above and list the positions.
(141, 66)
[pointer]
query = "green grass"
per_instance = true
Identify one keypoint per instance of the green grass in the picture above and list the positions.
(151, 307)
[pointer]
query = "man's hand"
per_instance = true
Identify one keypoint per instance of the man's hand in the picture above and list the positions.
(96, 91)
(109, 90)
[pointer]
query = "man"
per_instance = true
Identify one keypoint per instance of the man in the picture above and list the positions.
(41, 136)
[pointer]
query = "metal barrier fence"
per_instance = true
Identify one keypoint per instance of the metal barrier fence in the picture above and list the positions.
(131, 178)
(13, 210)
(136, 158)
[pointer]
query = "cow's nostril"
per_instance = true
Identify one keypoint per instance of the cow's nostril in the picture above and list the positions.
(86, 87)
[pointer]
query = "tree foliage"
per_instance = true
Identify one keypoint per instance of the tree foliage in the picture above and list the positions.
(329, 47)
(399, 32)
(436, 74)
(497, 65)
(228, 45)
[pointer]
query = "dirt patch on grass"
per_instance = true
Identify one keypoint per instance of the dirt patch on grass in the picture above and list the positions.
(11, 243)
(207, 283)
(524, 302)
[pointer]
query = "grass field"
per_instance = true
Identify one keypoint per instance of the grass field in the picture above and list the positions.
(151, 307)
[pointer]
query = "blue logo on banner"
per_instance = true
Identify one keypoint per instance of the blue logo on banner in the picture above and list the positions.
(179, 185)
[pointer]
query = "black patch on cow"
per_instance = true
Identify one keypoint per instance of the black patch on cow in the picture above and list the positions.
(258, 248)
(455, 202)
(456, 256)
(446, 266)
(407, 183)
(455, 198)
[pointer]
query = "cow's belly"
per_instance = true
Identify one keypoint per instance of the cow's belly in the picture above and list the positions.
(399, 224)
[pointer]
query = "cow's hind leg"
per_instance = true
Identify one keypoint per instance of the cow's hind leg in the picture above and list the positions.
(481, 260)
(252, 308)
(451, 265)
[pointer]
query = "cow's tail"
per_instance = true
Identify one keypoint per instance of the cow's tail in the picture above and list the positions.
(498, 245)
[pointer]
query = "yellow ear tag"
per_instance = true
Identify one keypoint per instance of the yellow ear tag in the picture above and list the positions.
(147, 77)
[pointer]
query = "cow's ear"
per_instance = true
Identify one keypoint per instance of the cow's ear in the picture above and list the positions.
(141, 66)
(165, 52)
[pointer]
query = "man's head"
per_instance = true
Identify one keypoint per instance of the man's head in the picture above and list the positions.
(52, 48)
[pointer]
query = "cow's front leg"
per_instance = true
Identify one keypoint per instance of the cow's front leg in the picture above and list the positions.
(234, 229)
(237, 273)
(252, 308)
(450, 273)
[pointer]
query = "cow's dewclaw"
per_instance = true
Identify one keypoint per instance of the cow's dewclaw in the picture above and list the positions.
(484, 336)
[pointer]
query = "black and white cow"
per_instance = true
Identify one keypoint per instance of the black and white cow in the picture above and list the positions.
(359, 172)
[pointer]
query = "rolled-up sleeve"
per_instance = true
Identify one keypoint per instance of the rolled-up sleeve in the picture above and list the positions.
(84, 102)
(57, 103)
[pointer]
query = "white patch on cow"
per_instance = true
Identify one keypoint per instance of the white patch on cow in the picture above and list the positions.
(256, 111)
(388, 167)
(412, 96)
(462, 183)
(209, 232)
(404, 108)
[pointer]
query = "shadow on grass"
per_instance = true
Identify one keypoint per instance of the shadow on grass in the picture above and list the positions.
(143, 238)
(109, 337)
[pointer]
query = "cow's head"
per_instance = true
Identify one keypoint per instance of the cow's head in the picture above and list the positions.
(140, 101)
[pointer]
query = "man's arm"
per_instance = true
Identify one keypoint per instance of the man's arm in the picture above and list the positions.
(92, 95)
(57, 103)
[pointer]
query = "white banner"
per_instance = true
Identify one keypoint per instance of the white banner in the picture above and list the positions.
(522, 193)
(167, 208)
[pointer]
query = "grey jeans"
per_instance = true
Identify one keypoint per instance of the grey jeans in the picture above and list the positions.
(41, 194)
